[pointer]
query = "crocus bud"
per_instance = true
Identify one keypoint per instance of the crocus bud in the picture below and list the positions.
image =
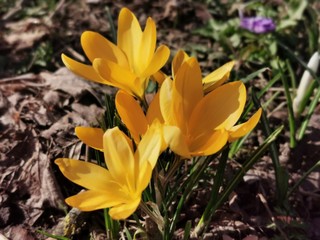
(305, 82)
(257, 24)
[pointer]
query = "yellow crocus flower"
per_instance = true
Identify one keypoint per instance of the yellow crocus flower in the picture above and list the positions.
(127, 65)
(138, 122)
(210, 82)
(206, 122)
(119, 187)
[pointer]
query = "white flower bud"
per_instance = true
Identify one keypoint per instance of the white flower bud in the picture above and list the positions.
(305, 82)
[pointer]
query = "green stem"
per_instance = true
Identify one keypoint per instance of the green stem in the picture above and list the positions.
(238, 177)
(292, 125)
(194, 178)
(205, 218)
(309, 114)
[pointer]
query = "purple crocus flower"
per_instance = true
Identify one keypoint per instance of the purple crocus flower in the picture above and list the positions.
(257, 24)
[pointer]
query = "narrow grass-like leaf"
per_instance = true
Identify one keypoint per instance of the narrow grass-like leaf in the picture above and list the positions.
(192, 181)
(305, 175)
(292, 124)
(128, 235)
(305, 122)
(254, 74)
(200, 228)
(217, 183)
(187, 229)
(273, 153)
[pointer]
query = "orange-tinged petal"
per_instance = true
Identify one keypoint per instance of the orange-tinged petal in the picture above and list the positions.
(217, 77)
(187, 91)
(131, 115)
(154, 111)
(96, 46)
(148, 45)
(159, 77)
(93, 200)
(150, 145)
(158, 60)
(220, 108)
(208, 143)
(177, 61)
(83, 70)
(118, 76)
(242, 129)
(93, 137)
(119, 156)
(176, 141)
(166, 102)
(85, 174)
(123, 211)
(129, 36)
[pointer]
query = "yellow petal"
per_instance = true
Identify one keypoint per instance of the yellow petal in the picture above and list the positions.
(154, 111)
(187, 92)
(118, 76)
(119, 156)
(123, 211)
(93, 137)
(158, 60)
(217, 77)
(83, 70)
(129, 36)
(240, 130)
(150, 145)
(144, 173)
(166, 102)
(85, 174)
(93, 200)
(148, 45)
(220, 108)
(131, 115)
(96, 46)
(176, 141)
(159, 77)
(208, 143)
(177, 61)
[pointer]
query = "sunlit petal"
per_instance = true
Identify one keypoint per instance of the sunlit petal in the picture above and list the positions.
(240, 130)
(131, 115)
(83, 70)
(118, 156)
(129, 36)
(220, 108)
(159, 59)
(166, 102)
(150, 145)
(209, 143)
(176, 141)
(123, 211)
(187, 91)
(93, 137)
(144, 173)
(96, 46)
(85, 174)
(177, 61)
(148, 44)
(91, 200)
(118, 76)
(217, 77)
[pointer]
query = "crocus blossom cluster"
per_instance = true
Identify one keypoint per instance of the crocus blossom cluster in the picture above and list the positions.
(190, 114)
